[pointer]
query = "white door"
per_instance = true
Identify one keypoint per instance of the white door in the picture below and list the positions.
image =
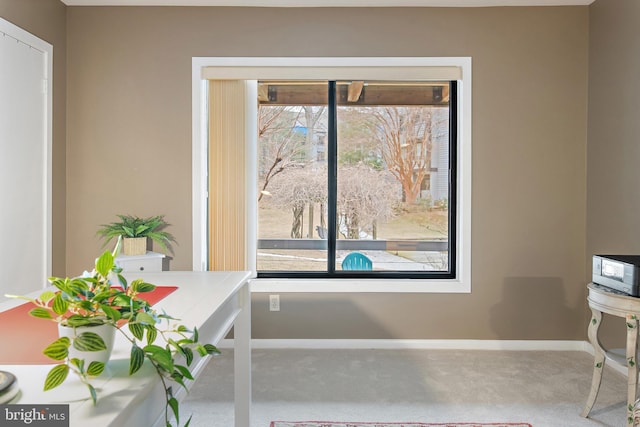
(25, 165)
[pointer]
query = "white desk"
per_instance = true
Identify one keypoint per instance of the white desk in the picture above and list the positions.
(212, 301)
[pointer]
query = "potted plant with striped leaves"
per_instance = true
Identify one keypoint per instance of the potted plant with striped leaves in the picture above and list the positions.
(90, 309)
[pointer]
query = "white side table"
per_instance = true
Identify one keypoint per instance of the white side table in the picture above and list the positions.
(604, 300)
(151, 262)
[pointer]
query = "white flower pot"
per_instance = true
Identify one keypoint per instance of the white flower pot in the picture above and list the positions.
(106, 331)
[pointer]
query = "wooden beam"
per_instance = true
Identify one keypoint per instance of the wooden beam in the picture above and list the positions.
(284, 93)
(445, 94)
(354, 91)
(263, 92)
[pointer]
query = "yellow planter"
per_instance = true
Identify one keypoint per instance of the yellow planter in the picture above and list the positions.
(135, 246)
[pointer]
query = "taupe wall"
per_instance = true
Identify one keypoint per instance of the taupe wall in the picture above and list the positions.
(47, 20)
(129, 150)
(613, 199)
(129, 99)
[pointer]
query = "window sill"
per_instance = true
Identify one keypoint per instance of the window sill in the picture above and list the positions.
(360, 286)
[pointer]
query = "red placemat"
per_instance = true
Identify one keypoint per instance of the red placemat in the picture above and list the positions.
(23, 337)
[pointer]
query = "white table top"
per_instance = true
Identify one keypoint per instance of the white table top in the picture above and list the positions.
(203, 299)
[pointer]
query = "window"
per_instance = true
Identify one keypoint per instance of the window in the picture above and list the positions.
(359, 170)
(257, 74)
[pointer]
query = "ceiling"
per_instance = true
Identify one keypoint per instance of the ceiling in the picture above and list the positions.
(330, 3)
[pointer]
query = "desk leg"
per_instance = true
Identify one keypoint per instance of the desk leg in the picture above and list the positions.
(598, 364)
(242, 360)
(632, 365)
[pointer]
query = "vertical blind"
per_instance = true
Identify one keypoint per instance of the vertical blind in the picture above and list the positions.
(228, 174)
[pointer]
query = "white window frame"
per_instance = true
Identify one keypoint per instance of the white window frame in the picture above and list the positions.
(462, 282)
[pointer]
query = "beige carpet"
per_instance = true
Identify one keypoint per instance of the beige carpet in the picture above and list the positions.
(542, 388)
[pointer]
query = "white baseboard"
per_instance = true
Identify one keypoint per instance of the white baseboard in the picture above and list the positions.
(443, 344)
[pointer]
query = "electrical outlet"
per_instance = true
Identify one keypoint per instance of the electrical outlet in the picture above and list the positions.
(274, 302)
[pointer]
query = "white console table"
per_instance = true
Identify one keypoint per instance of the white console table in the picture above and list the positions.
(211, 301)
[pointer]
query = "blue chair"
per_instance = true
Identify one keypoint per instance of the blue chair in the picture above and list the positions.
(356, 261)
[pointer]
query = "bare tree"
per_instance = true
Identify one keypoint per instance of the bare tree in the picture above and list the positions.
(281, 142)
(294, 189)
(357, 130)
(281, 147)
(406, 145)
(365, 196)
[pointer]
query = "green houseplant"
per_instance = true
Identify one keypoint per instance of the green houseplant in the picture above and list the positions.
(133, 227)
(92, 300)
